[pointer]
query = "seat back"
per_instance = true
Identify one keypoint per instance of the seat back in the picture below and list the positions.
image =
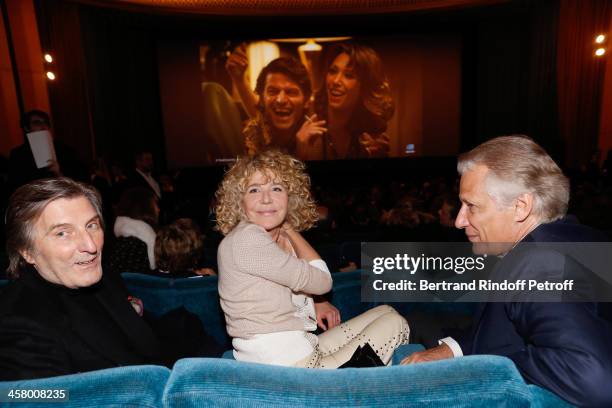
(346, 294)
(198, 295)
(478, 381)
(136, 386)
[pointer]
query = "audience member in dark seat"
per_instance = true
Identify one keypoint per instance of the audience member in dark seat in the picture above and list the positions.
(61, 315)
(178, 249)
(513, 192)
(403, 215)
(134, 229)
(447, 209)
(268, 273)
(142, 174)
(22, 166)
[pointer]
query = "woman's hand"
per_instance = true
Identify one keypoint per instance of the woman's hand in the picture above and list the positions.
(282, 239)
(327, 312)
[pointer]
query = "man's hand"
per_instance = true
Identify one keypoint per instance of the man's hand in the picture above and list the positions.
(433, 354)
(237, 63)
(309, 140)
(328, 312)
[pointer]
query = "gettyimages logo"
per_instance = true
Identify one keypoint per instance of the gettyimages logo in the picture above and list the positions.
(486, 272)
(411, 264)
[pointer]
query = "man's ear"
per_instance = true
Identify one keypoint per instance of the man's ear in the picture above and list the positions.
(27, 255)
(523, 207)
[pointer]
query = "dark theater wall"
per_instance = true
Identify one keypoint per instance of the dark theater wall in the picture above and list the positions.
(515, 77)
(526, 67)
(106, 100)
(69, 94)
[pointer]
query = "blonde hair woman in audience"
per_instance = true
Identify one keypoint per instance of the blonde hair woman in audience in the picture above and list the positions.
(268, 273)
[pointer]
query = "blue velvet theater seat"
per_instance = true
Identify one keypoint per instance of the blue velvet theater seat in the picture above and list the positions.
(200, 296)
(477, 381)
(197, 295)
(346, 294)
(135, 386)
(474, 381)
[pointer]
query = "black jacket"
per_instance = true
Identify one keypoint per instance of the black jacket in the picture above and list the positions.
(48, 330)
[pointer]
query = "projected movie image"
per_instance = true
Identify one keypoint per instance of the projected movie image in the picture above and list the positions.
(334, 98)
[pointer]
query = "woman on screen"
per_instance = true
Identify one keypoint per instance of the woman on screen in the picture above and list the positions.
(268, 273)
(353, 105)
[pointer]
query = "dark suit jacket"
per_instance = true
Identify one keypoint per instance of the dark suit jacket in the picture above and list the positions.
(563, 347)
(135, 179)
(48, 330)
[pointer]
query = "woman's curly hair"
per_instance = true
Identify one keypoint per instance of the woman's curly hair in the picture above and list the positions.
(285, 169)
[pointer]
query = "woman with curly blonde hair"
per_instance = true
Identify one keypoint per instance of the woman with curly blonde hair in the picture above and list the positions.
(268, 273)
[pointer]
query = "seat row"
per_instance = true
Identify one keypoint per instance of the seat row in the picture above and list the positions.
(476, 381)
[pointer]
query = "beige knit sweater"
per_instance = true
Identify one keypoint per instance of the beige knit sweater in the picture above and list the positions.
(256, 280)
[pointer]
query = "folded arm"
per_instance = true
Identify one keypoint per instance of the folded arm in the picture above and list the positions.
(256, 253)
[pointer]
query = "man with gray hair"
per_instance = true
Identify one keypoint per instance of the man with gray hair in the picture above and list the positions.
(513, 192)
(60, 315)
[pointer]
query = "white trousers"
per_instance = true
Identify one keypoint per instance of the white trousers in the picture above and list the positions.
(381, 327)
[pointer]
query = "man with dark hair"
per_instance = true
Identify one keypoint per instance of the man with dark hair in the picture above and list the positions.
(60, 315)
(284, 91)
(279, 105)
(35, 120)
(512, 193)
(22, 166)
